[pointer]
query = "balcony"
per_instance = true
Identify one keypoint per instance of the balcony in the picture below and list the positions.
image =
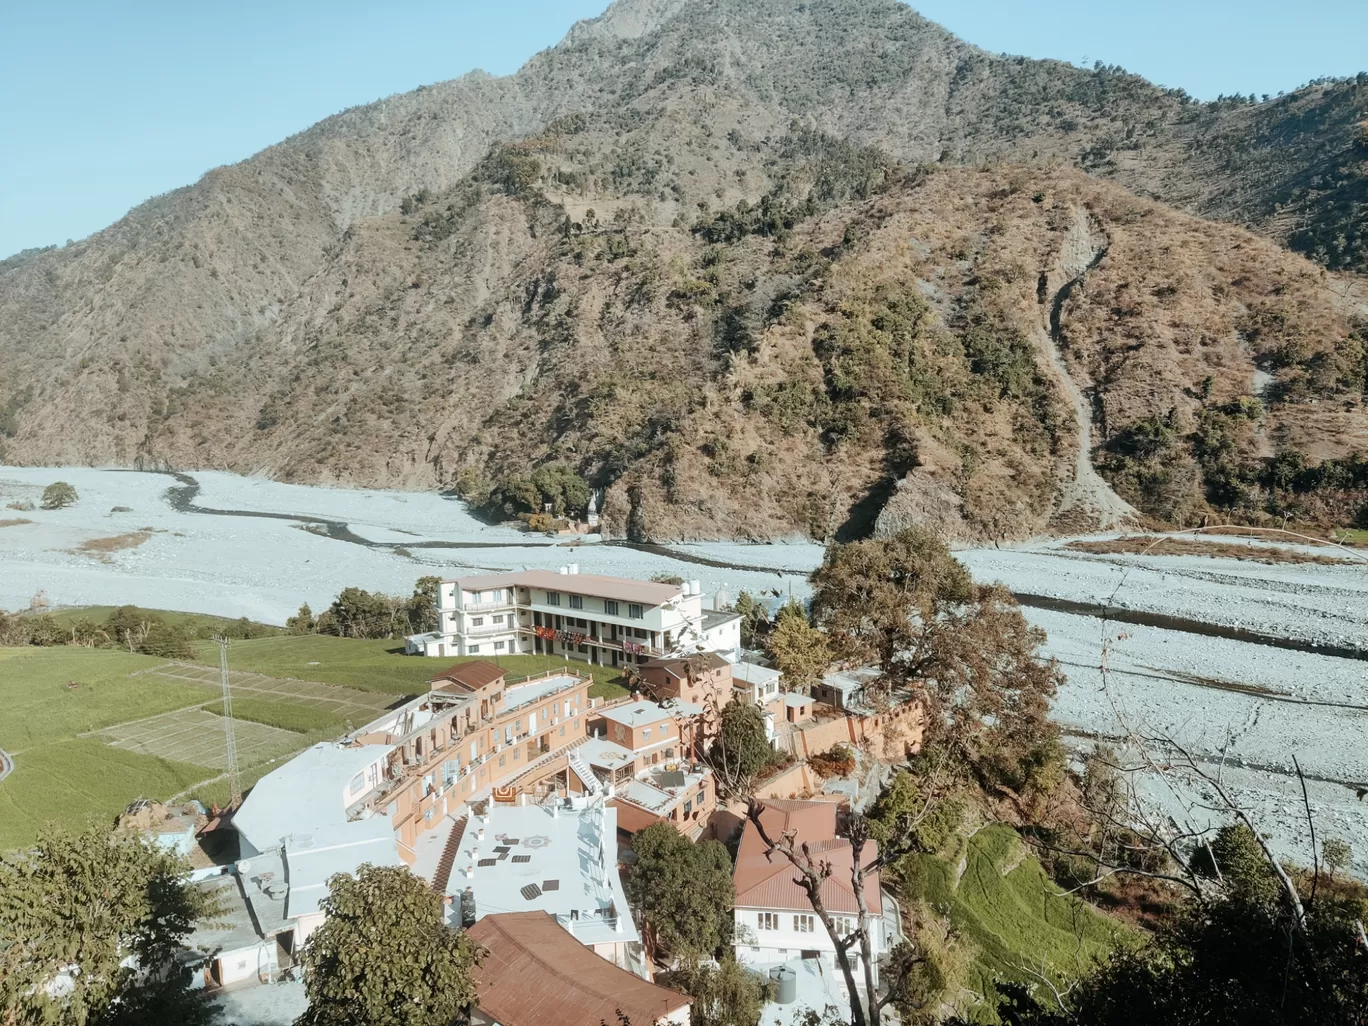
(475, 607)
(485, 630)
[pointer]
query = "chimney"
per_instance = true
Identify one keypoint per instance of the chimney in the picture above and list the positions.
(479, 835)
(470, 872)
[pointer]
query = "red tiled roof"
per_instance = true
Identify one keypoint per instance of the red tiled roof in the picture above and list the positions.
(677, 667)
(536, 974)
(767, 881)
(473, 675)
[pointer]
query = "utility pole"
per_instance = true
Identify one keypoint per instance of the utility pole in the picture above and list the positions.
(234, 791)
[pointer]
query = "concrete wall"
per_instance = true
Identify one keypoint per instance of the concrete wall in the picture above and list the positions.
(890, 735)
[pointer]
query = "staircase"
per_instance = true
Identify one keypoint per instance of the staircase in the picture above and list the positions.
(448, 859)
(536, 767)
(586, 775)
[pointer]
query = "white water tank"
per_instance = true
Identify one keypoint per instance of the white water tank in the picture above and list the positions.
(574, 568)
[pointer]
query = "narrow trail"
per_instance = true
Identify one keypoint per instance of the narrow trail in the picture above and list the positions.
(1087, 497)
(6, 764)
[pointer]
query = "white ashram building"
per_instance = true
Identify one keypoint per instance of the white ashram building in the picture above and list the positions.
(606, 621)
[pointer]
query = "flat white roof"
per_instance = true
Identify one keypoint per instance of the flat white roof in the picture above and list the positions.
(754, 673)
(518, 695)
(641, 714)
(308, 797)
(528, 847)
(794, 700)
(819, 988)
(599, 751)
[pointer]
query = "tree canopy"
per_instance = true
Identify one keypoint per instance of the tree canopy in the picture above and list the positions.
(682, 889)
(963, 649)
(59, 495)
(799, 650)
(95, 900)
(384, 956)
(741, 749)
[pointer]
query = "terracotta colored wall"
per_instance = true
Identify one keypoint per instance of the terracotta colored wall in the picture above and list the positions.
(889, 735)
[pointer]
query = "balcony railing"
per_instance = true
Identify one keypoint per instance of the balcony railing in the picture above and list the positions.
(503, 603)
(491, 628)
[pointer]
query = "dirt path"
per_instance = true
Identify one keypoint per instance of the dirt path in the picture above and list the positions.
(6, 764)
(1087, 498)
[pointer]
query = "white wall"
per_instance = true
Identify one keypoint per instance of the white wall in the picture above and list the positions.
(755, 945)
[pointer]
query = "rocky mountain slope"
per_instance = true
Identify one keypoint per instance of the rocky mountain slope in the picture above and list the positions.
(755, 267)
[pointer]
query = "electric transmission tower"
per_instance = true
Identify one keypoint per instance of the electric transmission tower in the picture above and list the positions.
(234, 791)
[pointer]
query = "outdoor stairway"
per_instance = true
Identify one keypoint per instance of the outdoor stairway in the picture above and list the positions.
(586, 775)
(539, 764)
(448, 859)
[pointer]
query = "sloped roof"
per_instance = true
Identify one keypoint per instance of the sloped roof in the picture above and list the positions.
(535, 973)
(767, 881)
(473, 675)
(650, 593)
(677, 667)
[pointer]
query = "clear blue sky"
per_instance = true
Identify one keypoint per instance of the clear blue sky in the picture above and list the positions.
(104, 104)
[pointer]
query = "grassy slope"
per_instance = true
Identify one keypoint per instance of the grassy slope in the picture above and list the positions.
(197, 624)
(1014, 920)
(376, 665)
(59, 777)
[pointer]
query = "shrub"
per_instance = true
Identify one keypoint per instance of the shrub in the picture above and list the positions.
(59, 495)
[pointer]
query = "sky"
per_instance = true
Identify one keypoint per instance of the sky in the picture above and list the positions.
(104, 104)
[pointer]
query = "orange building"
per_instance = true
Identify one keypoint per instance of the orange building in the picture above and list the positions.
(703, 679)
(474, 733)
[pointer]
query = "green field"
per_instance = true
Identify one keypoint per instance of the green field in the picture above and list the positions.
(1014, 919)
(71, 764)
(378, 665)
(59, 776)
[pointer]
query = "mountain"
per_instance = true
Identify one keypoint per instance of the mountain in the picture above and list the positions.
(755, 267)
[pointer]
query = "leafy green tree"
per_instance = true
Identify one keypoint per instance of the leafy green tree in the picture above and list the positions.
(302, 622)
(725, 994)
(59, 495)
(91, 902)
(167, 641)
(741, 749)
(384, 956)
(1336, 853)
(683, 890)
(357, 613)
(754, 618)
(962, 649)
(43, 629)
(423, 613)
(798, 649)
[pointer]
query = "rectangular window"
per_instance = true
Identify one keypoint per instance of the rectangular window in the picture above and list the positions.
(610, 607)
(497, 619)
(499, 646)
(477, 621)
(634, 612)
(769, 920)
(553, 598)
(802, 924)
(688, 808)
(473, 649)
(646, 733)
(844, 925)
(357, 782)
(502, 759)
(576, 601)
(449, 770)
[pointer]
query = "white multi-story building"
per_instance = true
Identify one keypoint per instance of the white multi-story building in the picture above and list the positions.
(774, 920)
(607, 621)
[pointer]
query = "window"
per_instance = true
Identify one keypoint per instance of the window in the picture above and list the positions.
(502, 759)
(576, 601)
(473, 649)
(477, 621)
(562, 733)
(449, 770)
(634, 612)
(844, 925)
(688, 807)
(769, 920)
(802, 924)
(497, 619)
(645, 733)
(498, 646)
(610, 607)
(357, 782)
(553, 598)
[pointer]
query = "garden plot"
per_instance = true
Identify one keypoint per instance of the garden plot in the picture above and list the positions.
(197, 736)
(328, 699)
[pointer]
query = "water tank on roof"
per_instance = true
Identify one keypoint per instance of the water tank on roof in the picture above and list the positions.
(574, 568)
(785, 982)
